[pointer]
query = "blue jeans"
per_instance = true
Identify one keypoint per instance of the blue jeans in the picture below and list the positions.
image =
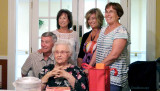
(115, 88)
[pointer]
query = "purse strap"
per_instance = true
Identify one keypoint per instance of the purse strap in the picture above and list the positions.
(86, 66)
(115, 71)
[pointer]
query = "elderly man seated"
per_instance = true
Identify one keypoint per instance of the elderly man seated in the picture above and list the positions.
(62, 73)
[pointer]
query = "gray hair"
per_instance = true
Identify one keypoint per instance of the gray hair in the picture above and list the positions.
(50, 34)
(63, 43)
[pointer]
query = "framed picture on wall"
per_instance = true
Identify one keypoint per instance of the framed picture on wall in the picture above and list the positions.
(3, 74)
(0, 76)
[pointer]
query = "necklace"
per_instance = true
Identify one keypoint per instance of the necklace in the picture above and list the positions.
(95, 35)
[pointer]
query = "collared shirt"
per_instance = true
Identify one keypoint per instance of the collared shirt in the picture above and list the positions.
(36, 62)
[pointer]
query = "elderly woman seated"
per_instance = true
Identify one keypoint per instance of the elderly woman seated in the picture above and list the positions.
(62, 73)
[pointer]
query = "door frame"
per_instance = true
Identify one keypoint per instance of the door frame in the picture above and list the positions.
(11, 43)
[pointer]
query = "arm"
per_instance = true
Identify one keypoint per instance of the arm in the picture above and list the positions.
(40, 51)
(77, 79)
(64, 74)
(81, 52)
(23, 75)
(26, 66)
(93, 60)
(44, 75)
(45, 78)
(117, 48)
(79, 62)
(81, 83)
(70, 79)
(77, 46)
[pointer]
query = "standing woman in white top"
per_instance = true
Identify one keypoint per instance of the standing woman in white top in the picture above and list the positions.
(63, 32)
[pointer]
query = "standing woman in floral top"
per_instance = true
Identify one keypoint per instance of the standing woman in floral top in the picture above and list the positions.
(112, 46)
(94, 20)
(62, 73)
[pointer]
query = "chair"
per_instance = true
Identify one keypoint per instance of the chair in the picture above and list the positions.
(142, 76)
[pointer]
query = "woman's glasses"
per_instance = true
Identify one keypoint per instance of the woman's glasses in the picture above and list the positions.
(61, 52)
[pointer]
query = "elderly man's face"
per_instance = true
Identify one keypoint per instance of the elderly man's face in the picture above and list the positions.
(61, 54)
(46, 44)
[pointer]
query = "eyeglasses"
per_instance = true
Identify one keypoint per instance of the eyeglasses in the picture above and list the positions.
(109, 12)
(61, 52)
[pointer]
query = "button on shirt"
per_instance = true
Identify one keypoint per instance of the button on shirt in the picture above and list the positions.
(36, 62)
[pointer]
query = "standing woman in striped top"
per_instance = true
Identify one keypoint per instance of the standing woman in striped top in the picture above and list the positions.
(112, 46)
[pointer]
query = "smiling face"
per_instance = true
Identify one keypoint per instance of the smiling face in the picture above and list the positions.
(63, 20)
(61, 54)
(111, 15)
(47, 44)
(92, 21)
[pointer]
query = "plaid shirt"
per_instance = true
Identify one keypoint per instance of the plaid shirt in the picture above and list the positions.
(36, 62)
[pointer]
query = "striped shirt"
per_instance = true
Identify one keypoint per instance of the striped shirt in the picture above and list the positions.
(104, 47)
(36, 62)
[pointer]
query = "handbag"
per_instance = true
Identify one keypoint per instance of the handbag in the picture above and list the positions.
(99, 79)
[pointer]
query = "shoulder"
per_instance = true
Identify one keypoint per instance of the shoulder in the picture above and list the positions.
(55, 31)
(121, 29)
(73, 32)
(35, 53)
(35, 56)
(104, 28)
(87, 33)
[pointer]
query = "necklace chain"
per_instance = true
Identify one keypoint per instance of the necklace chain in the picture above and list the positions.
(94, 35)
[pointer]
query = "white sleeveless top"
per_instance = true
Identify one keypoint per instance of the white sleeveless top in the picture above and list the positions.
(73, 39)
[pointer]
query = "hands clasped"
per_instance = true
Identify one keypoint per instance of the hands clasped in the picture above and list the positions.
(58, 72)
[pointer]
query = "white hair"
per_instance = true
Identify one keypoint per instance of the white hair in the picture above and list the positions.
(60, 42)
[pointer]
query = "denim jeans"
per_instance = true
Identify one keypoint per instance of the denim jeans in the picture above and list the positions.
(115, 88)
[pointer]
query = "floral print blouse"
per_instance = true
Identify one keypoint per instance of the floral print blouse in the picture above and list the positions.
(81, 83)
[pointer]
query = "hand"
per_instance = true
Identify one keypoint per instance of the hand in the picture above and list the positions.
(86, 71)
(54, 71)
(62, 73)
(40, 51)
(79, 62)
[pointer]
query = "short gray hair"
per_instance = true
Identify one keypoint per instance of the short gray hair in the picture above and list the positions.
(61, 42)
(50, 34)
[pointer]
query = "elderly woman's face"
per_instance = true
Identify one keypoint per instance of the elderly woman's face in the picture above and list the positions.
(111, 15)
(61, 54)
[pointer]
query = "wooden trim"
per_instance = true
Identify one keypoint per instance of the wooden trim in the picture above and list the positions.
(3, 57)
(3, 62)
